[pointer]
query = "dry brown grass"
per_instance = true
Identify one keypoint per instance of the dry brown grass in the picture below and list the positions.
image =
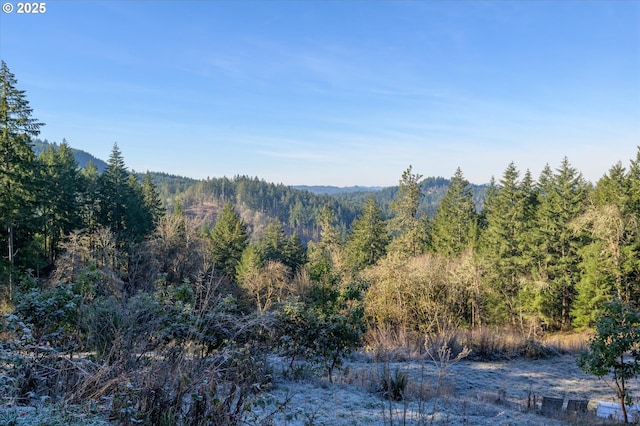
(571, 343)
(486, 344)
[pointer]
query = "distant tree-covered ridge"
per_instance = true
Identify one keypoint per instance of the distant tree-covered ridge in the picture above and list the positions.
(82, 157)
(295, 206)
(332, 190)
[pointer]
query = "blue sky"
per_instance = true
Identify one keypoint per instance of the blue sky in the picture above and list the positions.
(335, 92)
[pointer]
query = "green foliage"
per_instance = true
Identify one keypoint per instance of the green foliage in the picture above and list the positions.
(61, 191)
(228, 239)
(296, 209)
(561, 199)
(408, 226)
(594, 289)
(18, 191)
(506, 243)
(54, 314)
(615, 349)
(115, 194)
(152, 200)
(455, 224)
(325, 326)
(83, 158)
(368, 240)
(611, 258)
(128, 208)
(275, 246)
(393, 387)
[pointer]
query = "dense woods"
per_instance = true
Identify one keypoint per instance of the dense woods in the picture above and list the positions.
(111, 261)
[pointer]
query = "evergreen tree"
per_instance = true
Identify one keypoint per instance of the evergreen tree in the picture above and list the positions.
(561, 199)
(611, 260)
(634, 185)
(330, 238)
(273, 244)
(139, 220)
(454, 226)
(89, 203)
(613, 188)
(123, 204)
(17, 161)
(295, 255)
(228, 240)
(62, 186)
(328, 253)
(369, 237)
(152, 199)
(408, 228)
(115, 194)
(249, 264)
(504, 243)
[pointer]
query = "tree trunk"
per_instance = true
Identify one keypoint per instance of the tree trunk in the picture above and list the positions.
(11, 262)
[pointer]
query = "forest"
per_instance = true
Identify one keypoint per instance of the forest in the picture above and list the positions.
(133, 286)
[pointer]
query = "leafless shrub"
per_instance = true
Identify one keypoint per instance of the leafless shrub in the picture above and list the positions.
(493, 344)
(444, 351)
(388, 343)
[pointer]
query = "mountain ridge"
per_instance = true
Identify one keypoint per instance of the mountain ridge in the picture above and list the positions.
(83, 158)
(330, 189)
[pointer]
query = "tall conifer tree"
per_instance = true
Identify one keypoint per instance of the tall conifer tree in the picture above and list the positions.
(504, 243)
(369, 237)
(454, 226)
(611, 259)
(17, 161)
(61, 186)
(115, 193)
(561, 199)
(228, 239)
(409, 229)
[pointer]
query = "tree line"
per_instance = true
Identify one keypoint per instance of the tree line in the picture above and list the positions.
(536, 255)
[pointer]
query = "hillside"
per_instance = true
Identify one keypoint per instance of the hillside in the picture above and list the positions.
(82, 157)
(259, 202)
(332, 190)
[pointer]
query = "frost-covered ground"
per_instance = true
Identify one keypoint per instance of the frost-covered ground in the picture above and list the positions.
(469, 393)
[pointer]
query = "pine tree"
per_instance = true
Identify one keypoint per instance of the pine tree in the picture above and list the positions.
(454, 226)
(17, 161)
(368, 240)
(228, 239)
